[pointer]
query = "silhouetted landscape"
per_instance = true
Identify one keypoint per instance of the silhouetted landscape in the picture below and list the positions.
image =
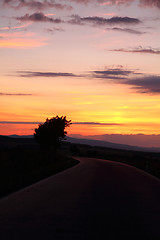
(23, 161)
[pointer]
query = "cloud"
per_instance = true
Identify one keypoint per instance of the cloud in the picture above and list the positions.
(139, 49)
(16, 27)
(78, 123)
(39, 17)
(113, 73)
(100, 21)
(142, 3)
(12, 122)
(15, 94)
(95, 123)
(126, 30)
(146, 84)
(54, 29)
(45, 74)
(20, 43)
(36, 5)
(150, 3)
(46, 4)
(143, 83)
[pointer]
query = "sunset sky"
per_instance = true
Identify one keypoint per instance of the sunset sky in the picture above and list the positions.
(95, 61)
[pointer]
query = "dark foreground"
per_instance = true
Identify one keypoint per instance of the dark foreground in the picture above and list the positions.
(94, 200)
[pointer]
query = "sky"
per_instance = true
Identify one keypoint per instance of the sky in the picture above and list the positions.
(97, 62)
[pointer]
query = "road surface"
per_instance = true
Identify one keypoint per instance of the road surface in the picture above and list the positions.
(96, 199)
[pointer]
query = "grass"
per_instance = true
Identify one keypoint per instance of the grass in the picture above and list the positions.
(21, 166)
(146, 161)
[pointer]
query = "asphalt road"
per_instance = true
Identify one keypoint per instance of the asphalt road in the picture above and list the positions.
(96, 199)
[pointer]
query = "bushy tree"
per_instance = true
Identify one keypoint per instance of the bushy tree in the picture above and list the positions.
(52, 132)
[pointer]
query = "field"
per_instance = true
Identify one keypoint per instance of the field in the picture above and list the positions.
(23, 161)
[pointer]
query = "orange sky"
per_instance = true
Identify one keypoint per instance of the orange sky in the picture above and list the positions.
(98, 64)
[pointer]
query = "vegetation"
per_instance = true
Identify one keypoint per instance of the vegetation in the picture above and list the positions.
(146, 161)
(24, 162)
(52, 132)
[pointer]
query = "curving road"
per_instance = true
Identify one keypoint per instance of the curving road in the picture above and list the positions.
(96, 199)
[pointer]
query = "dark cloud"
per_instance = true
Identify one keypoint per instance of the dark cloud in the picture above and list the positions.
(115, 73)
(146, 84)
(45, 74)
(95, 123)
(126, 30)
(15, 94)
(39, 17)
(54, 29)
(100, 21)
(142, 3)
(36, 5)
(139, 50)
(12, 122)
(150, 3)
(44, 4)
(137, 81)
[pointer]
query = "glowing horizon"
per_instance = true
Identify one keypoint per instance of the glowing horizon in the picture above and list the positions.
(96, 63)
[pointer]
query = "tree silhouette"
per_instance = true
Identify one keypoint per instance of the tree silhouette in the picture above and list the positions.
(52, 132)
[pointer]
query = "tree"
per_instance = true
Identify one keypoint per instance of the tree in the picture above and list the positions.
(52, 132)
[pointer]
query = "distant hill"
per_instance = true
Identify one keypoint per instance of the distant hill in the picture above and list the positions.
(90, 142)
(21, 136)
(99, 143)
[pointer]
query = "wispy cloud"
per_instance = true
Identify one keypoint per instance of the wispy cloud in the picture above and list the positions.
(112, 73)
(142, 3)
(139, 49)
(20, 43)
(39, 17)
(96, 123)
(15, 94)
(16, 27)
(78, 123)
(126, 30)
(36, 5)
(13, 122)
(146, 84)
(45, 74)
(138, 81)
(100, 21)
(54, 29)
(46, 4)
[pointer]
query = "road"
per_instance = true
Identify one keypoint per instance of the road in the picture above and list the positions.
(96, 199)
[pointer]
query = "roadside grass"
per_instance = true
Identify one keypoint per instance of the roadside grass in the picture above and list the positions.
(21, 166)
(146, 161)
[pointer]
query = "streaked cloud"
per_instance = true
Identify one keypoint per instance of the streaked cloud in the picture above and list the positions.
(22, 43)
(16, 27)
(146, 84)
(142, 3)
(78, 123)
(54, 29)
(101, 21)
(96, 123)
(112, 73)
(139, 49)
(15, 94)
(36, 5)
(138, 81)
(126, 30)
(39, 17)
(48, 4)
(15, 122)
(45, 74)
